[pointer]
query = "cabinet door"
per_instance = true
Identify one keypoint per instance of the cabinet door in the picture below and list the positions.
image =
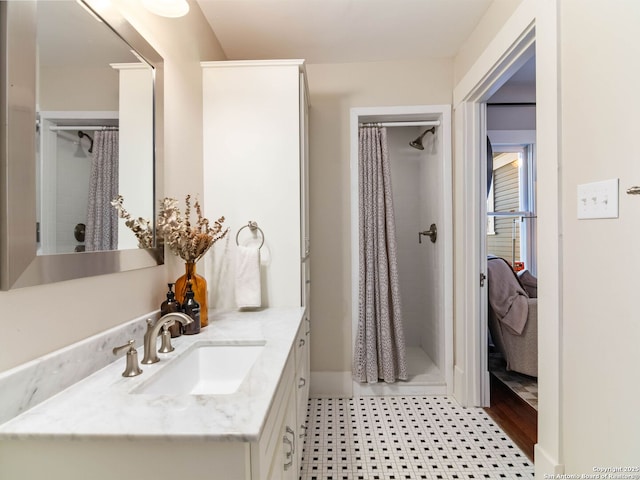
(302, 379)
(291, 461)
(256, 176)
(285, 465)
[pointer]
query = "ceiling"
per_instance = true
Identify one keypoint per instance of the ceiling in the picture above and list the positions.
(338, 31)
(319, 31)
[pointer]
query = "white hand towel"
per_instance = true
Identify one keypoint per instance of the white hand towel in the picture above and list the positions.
(248, 289)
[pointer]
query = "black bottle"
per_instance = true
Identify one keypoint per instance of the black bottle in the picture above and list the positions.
(191, 308)
(171, 305)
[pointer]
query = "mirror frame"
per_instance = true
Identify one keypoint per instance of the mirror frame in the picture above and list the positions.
(19, 264)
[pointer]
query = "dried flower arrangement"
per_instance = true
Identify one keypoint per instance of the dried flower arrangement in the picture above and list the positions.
(187, 241)
(141, 227)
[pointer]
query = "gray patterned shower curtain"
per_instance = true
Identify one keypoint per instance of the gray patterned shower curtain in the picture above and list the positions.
(102, 218)
(380, 349)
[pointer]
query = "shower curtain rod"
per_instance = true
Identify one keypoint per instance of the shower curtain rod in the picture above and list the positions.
(55, 128)
(435, 123)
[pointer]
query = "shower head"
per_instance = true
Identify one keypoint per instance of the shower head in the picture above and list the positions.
(417, 143)
(82, 134)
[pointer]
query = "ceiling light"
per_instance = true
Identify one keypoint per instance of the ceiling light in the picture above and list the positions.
(167, 8)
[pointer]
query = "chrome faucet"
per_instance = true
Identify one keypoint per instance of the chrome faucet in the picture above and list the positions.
(151, 335)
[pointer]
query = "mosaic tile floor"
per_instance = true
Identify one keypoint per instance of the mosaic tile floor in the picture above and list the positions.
(412, 437)
(524, 386)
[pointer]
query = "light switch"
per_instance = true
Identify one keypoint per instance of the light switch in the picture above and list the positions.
(598, 199)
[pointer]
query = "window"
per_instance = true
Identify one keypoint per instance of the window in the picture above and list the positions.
(511, 206)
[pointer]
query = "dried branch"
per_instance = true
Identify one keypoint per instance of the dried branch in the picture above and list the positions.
(141, 227)
(187, 241)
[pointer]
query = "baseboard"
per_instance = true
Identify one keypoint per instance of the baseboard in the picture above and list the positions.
(399, 388)
(331, 384)
(486, 392)
(341, 384)
(459, 390)
(545, 465)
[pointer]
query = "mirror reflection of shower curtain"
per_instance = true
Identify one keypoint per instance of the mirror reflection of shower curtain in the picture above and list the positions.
(102, 218)
(380, 349)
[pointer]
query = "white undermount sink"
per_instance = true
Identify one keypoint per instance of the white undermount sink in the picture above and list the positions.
(205, 369)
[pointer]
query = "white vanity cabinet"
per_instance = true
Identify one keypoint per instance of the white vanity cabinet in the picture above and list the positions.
(256, 433)
(255, 168)
(285, 431)
(274, 456)
(283, 438)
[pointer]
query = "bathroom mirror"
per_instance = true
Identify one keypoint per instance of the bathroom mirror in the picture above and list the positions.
(73, 73)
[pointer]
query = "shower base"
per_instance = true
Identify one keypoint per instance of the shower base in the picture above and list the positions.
(425, 378)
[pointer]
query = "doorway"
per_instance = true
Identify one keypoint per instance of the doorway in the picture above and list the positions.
(511, 249)
(511, 221)
(531, 22)
(421, 183)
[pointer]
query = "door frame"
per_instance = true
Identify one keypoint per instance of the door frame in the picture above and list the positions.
(539, 20)
(471, 132)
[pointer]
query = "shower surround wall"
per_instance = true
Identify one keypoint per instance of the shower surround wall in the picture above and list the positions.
(72, 192)
(417, 196)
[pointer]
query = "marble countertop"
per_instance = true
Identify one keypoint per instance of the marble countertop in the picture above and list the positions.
(102, 405)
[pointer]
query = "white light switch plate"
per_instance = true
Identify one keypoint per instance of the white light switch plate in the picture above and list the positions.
(598, 199)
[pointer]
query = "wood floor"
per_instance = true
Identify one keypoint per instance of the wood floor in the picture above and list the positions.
(515, 416)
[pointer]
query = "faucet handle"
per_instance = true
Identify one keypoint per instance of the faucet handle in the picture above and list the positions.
(166, 346)
(132, 369)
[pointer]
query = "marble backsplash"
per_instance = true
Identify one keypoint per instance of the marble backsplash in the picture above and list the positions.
(33, 382)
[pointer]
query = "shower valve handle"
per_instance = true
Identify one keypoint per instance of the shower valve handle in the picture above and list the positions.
(432, 233)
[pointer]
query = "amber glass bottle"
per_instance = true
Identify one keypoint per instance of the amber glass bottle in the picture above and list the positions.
(199, 286)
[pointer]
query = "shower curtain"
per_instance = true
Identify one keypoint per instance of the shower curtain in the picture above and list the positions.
(380, 349)
(102, 219)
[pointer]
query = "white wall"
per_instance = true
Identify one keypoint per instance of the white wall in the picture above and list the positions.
(72, 188)
(600, 64)
(495, 17)
(417, 196)
(38, 320)
(405, 181)
(74, 88)
(334, 89)
(511, 118)
(432, 210)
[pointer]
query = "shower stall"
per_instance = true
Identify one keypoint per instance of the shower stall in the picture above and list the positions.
(421, 188)
(65, 148)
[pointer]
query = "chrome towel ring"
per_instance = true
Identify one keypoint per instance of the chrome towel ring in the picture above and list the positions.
(253, 226)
